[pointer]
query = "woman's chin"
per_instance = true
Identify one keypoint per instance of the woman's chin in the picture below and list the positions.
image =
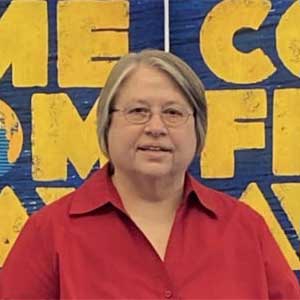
(154, 170)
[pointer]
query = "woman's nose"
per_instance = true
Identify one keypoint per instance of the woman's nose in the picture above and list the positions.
(156, 125)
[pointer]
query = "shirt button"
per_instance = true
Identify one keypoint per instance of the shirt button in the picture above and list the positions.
(168, 294)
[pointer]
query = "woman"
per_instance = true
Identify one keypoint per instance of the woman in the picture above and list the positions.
(141, 227)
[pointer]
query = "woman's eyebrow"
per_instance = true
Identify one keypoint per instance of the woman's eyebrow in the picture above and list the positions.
(148, 102)
(171, 102)
(139, 101)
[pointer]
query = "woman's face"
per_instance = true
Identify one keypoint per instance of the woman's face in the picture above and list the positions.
(153, 148)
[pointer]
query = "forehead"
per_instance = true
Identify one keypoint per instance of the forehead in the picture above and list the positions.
(150, 85)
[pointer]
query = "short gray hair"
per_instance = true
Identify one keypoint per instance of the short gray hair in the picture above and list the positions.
(177, 69)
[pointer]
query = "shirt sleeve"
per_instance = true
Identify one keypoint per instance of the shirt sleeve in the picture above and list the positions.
(282, 282)
(30, 270)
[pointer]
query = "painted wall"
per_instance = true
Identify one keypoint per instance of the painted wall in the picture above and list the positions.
(55, 57)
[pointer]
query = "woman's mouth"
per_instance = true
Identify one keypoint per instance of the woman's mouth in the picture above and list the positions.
(154, 148)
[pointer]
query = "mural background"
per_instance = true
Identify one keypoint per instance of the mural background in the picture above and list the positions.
(55, 56)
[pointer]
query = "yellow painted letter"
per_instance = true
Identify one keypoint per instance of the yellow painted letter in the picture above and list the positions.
(288, 195)
(229, 129)
(60, 135)
(92, 35)
(24, 42)
(216, 41)
(51, 194)
(254, 197)
(286, 132)
(12, 218)
(287, 38)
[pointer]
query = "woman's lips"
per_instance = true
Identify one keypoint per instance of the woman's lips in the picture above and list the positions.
(154, 148)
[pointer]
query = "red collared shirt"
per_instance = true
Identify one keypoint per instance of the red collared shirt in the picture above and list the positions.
(85, 246)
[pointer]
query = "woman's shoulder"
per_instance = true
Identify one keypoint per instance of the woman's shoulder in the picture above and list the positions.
(60, 210)
(226, 206)
(53, 215)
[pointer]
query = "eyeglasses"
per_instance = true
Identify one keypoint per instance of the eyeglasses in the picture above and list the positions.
(172, 116)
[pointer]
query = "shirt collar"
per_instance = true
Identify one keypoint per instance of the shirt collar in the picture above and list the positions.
(98, 191)
(204, 196)
(95, 192)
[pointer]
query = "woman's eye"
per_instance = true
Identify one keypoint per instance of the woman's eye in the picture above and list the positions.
(173, 112)
(138, 110)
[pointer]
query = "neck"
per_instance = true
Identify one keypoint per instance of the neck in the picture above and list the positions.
(147, 195)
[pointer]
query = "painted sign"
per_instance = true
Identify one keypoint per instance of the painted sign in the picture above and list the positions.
(56, 55)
